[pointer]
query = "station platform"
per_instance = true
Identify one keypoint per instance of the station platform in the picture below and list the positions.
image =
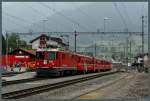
(25, 75)
(16, 69)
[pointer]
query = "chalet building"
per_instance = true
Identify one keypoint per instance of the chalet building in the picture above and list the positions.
(19, 55)
(23, 52)
(45, 41)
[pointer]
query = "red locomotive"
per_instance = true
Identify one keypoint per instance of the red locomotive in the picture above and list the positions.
(59, 63)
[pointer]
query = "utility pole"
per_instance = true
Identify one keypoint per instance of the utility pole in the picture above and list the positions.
(44, 21)
(6, 49)
(130, 48)
(127, 42)
(127, 50)
(75, 39)
(68, 41)
(17, 43)
(142, 34)
(95, 49)
(105, 19)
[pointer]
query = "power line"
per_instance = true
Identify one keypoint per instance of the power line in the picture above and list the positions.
(17, 24)
(36, 11)
(128, 17)
(66, 17)
(62, 25)
(123, 20)
(19, 19)
(85, 14)
(97, 33)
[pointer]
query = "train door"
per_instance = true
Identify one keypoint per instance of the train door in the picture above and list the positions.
(68, 59)
(58, 56)
(93, 62)
(63, 59)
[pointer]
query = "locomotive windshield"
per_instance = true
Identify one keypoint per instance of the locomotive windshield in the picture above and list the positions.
(40, 55)
(51, 56)
(46, 55)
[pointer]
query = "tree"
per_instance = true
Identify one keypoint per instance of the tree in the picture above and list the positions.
(14, 42)
(3, 45)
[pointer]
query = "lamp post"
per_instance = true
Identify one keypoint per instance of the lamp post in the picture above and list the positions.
(105, 19)
(44, 21)
(6, 50)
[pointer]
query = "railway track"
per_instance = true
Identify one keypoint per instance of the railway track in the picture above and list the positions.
(101, 87)
(47, 87)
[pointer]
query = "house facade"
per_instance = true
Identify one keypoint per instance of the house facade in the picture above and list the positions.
(45, 41)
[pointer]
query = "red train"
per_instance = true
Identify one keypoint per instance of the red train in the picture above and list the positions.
(59, 63)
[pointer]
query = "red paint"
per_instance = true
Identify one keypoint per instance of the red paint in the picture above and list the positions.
(65, 59)
(14, 59)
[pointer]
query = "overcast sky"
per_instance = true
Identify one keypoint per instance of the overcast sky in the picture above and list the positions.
(72, 16)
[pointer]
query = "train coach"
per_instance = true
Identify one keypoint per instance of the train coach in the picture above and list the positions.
(59, 63)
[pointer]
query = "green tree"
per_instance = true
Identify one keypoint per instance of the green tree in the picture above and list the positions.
(14, 42)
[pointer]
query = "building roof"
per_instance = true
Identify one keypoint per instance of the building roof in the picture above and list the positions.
(59, 40)
(30, 52)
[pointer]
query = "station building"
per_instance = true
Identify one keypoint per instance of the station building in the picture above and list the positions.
(44, 41)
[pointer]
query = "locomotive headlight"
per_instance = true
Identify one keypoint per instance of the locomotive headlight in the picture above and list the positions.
(45, 61)
(37, 63)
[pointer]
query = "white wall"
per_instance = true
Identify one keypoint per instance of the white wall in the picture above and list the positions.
(35, 44)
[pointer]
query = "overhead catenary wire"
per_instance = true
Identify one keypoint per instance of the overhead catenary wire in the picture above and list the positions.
(86, 15)
(123, 20)
(66, 17)
(36, 11)
(17, 24)
(19, 19)
(128, 17)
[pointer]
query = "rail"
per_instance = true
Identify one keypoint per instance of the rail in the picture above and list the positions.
(43, 88)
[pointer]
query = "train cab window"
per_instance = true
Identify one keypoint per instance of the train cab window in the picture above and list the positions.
(40, 55)
(51, 55)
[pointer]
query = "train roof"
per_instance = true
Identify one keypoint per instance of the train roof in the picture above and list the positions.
(82, 55)
(58, 50)
(54, 50)
(47, 49)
